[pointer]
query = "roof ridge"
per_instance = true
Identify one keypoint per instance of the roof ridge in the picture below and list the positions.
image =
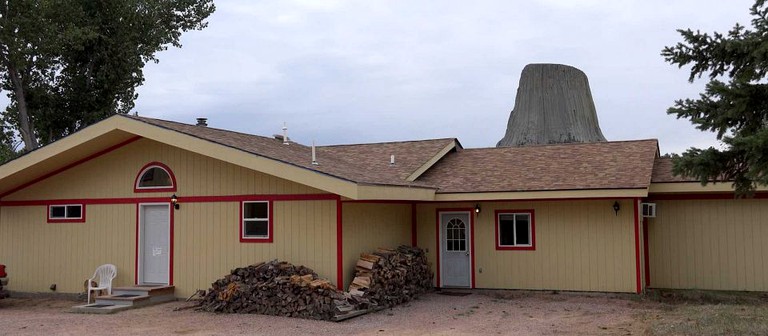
(567, 144)
(386, 142)
(208, 127)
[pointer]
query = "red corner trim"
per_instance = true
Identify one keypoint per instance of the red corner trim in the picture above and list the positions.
(66, 220)
(147, 166)
(170, 257)
(646, 254)
(533, 230)
(270, 227)
(635, 205)
(414, 224)
(73, 164)
(339, 247)
(136, 256)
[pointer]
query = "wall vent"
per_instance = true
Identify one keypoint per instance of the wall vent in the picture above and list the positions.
(649, 210)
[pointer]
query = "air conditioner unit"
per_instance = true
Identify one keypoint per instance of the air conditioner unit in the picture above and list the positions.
(649, 209)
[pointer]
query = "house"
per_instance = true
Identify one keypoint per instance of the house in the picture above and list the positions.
(178, 204)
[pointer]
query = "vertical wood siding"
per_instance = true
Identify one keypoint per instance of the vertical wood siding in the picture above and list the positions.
(39, 254)
(367, 226)
(709, 244)
(580, 246)
(207, 244)
(206, 235)
(113, 175)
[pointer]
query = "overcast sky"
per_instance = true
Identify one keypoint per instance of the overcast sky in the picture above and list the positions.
(370, 71)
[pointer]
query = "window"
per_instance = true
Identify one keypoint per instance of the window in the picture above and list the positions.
(154, 177)
(456, 236)
(256, 224)
(515, 230)
(68, 213)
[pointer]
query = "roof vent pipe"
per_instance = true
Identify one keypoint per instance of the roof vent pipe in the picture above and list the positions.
(392, 160)
(202, 122)
(285, 134)
(314, 154)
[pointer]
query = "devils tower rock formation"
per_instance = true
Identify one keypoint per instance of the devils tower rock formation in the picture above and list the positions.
(553, 105)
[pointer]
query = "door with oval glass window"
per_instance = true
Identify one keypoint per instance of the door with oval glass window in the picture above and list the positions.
(455, 249)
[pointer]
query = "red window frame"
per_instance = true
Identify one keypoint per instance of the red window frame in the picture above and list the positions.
(144, 169)
(270, 227)
(531, 213)
(81, 219)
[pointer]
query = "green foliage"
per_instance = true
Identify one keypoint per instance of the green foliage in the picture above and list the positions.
(735, 109)
(81, 60)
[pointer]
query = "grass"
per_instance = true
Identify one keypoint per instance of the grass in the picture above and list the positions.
(694, 312)
(710, 319)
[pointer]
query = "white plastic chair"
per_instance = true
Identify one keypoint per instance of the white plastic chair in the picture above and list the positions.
(103, 278)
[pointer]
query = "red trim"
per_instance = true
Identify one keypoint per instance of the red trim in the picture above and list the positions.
(170, 257)
(471, 212)
(531, 212)
(170, 238)
(378, 201)
(270, 227)
(699, 196)
(87, 158)
(646, 253)
(639, 285)
(144, 169)
(136, 257)
(414, 238)
(531, 200)
(437, 248)
(339, 247)
(67, 220)
(187, 199)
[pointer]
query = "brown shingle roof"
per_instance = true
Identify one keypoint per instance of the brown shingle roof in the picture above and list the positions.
(356, 163)
(374, 158)
(601, 165)
(662, 172)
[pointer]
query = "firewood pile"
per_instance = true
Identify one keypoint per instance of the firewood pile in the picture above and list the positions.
(279, 288)
(390, 277)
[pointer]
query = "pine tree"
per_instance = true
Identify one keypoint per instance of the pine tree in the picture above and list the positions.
(734, 103)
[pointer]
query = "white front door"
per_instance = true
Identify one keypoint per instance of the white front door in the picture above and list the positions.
(154, 243)
(455, 249)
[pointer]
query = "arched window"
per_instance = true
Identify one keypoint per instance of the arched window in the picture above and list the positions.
(153, 177)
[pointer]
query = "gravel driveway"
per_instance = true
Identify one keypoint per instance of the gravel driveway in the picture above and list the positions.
(480, 313)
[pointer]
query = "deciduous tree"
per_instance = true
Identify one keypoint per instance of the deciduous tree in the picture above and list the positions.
(66, 64)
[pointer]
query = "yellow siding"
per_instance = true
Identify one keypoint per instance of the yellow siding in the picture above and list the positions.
(206, 235)
(580, 245)
(709, 244)
(367, 226)
(113, 175)
(39, 254)
(207, 241)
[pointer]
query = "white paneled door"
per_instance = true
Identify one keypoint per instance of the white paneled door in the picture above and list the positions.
(455, 249)
(155, 242)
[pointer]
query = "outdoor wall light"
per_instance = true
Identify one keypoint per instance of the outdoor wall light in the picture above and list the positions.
(175, 202)
(616, 207)
(477, 208)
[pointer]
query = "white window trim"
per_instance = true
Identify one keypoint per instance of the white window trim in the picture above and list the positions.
(514, 229)
(50, 211)
(138, 180)
(243, 220)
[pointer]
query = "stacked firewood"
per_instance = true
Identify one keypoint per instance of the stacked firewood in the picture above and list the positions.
(390, 277)
(278, 288)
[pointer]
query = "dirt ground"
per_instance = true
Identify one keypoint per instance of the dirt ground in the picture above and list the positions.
(480, 313)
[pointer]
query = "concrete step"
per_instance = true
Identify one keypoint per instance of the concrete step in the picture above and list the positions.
(123, 298)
